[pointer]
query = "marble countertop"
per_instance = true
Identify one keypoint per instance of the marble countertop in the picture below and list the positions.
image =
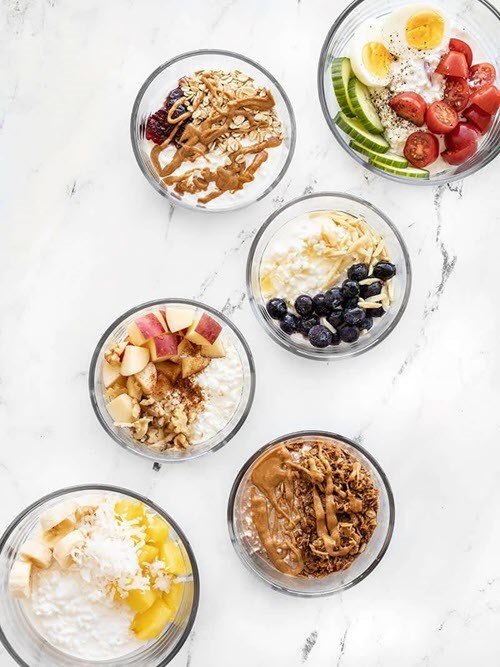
(85, 238)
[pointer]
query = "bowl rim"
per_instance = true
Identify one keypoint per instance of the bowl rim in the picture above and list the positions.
(124, 491)
(433, 182)
(210, 52)
(235, 540)
(150, 304)
(325, 355)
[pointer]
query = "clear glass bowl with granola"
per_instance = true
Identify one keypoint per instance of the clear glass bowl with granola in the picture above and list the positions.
(328, 276)
(212, 130)
(172, 379)
(311, 513)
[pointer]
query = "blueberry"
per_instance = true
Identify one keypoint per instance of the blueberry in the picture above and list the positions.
(276, 309)
(321, 305)
(384, 270)
(353, 315)
(307, 323)
(304, 305)
(348, 333)
(366, 323)
(334, 297)
(358, 272)
(289, 324)
(335, 339)
(320, 336)
(335, 318)
(370, 290)
(350, 303)
(377, 312)
(350, 289)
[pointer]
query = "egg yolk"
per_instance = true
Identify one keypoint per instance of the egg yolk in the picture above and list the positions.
(425, 30)
(377, 59)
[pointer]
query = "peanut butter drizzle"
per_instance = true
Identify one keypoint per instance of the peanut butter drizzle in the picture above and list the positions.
(273, 495)
(195, 140)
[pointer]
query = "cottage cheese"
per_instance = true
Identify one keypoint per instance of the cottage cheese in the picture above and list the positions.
(222, 385)
(75, 617)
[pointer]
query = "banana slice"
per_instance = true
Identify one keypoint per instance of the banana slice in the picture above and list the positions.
(55, 534)
(20, 579)
(57, 514)
(65, 547)
(37, 552)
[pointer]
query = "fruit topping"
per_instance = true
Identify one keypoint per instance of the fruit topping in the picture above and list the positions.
(461, 47)
(350, 289)
(358, 272)
(421, 149)
(377, 312)
(334, 297)
(304, 305)
(366, 323)
(456, 94)
(290, 323)
(453, 63)
(481, 75)
(321, 305)
(335, 318)
(441, 117)
(409, 106)
(486, 98)
(320, 336)
(306, 324)
(277, 308)
(479, 118)
(371, 289)
(354, 315)
(384, 270)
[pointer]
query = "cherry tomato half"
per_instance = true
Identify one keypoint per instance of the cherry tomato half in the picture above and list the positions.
(456, 92)
(441, 117)
(463, 135)
(457, 157)
(487, 98)
(461, 47)
(482, 75)
(409, 106)
(453, 63)
(479, 118)
(421, 149)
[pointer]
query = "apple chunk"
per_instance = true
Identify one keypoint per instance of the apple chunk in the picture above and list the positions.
(110, 373)
(147, 378)
(134, 360)
(179, 318)
(120, 409)
(205, 331)
(146, 327)
(192, 365)
(214, 351)
(163, 346)
(171, 370)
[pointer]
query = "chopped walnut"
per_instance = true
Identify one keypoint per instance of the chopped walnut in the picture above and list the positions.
(114, 353)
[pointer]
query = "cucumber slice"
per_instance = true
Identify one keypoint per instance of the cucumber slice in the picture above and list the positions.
(389, 158)
(408, 172)
(341, 73)
(354, 128)
(360, 102)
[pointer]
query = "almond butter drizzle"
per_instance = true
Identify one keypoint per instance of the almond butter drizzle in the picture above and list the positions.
(283, 488)
(195, 141)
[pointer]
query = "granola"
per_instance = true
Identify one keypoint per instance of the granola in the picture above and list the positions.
(222, 123)
(313, 506)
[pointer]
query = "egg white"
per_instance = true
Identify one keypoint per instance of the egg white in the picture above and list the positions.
(393, 30)
(369, 31)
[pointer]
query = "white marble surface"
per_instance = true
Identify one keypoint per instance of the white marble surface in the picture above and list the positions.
(85, 237)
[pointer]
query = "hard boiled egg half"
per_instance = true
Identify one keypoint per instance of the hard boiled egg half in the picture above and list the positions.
(415, 28)
(370, 59)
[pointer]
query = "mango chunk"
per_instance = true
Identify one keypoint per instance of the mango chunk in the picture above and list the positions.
(157, 531)
(141, 601)
(148, 554)
(150, 623)
(174, 596)
(130, 509)
(171, 555)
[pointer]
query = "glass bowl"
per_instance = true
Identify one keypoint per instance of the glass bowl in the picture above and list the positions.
(331, 201)
(478, 18)
(337, 582)
(117, 332)
(24, 643)
(152, 95)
